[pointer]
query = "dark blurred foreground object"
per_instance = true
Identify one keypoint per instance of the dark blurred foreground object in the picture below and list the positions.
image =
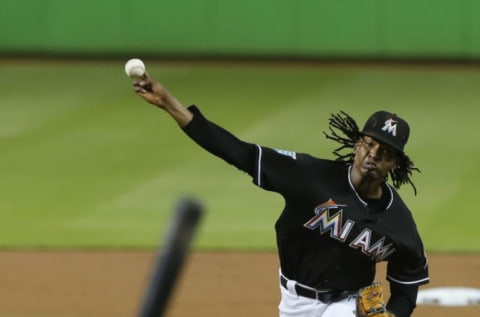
(171, 256)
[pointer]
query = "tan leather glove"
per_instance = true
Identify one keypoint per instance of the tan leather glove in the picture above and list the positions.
(370, 302)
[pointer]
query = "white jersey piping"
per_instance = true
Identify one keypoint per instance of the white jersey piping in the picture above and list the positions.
(408, 283)
(259, 168)
(358, 196)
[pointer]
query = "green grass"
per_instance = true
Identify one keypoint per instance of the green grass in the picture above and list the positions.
(87, 164)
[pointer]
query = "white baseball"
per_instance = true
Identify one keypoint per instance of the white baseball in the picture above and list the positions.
(135, 68)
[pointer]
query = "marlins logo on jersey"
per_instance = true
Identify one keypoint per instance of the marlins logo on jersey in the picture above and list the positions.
(329, 218)
(333, 223)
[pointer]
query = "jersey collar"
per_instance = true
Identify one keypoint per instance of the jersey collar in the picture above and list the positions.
(360, 198)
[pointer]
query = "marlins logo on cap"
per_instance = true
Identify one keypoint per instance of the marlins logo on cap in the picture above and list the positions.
(388, 128)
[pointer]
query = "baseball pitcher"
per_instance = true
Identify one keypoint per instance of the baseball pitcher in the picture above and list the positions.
(340, 217)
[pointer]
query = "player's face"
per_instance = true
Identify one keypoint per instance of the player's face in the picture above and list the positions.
(374, 159)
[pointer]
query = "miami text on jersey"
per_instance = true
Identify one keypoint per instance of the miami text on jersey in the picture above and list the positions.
(326, 222)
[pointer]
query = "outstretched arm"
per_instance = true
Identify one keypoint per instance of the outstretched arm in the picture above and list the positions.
(208, 135)
(156, 94)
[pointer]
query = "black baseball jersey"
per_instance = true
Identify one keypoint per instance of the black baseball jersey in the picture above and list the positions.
(328, 237)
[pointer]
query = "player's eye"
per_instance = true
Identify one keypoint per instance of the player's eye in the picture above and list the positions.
(368, 144)
(387, 153)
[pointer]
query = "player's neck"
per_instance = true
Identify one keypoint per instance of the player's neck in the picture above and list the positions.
(366, 186)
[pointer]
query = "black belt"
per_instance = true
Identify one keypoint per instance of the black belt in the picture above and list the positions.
(323, 296)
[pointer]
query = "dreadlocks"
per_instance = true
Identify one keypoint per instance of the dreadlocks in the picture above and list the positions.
(347, 126)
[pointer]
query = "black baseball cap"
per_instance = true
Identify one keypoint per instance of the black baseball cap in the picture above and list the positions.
(387, 128)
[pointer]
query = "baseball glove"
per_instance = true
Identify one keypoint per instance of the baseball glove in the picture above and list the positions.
(370, 301)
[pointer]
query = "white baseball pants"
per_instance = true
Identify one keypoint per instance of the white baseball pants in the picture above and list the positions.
(292, 305)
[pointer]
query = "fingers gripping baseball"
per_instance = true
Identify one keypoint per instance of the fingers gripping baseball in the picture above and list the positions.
(151, 90)
(155, 93)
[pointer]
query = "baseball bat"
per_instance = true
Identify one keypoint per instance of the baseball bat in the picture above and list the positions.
(171, 256)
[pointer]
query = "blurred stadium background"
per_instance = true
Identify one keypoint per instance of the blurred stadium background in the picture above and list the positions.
(86, 164)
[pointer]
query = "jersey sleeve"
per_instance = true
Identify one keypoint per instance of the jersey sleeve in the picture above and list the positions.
(221, 142)
(281, 171)
(271, 169)
(409, 267)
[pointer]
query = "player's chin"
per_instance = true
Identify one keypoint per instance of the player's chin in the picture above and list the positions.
(372, 173)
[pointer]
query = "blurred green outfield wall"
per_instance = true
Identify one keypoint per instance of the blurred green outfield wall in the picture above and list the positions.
(267, 28)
